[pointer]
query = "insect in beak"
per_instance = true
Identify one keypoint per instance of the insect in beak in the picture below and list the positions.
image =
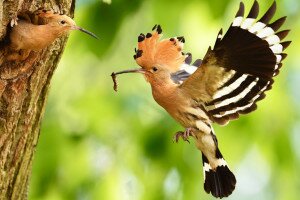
(114, 75)
(85, 31)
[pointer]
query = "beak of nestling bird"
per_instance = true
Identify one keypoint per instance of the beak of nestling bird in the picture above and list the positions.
(114, 75)
(85, 31)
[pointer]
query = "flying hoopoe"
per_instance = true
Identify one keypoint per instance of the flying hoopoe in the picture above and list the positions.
(229, 81)
(36, 31)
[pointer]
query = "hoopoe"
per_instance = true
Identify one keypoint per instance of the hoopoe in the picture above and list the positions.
(36, 31)
(229, 81)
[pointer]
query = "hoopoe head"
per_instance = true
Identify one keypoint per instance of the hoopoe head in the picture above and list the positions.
(158, 58)
(61, 23)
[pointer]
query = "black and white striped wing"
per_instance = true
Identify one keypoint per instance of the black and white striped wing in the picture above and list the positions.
(241, 67)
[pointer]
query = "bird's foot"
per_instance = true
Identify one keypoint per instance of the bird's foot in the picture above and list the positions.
(14, 22)
(183, 134)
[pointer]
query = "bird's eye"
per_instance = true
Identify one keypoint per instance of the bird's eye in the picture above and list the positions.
(154, 69)
(62, 21)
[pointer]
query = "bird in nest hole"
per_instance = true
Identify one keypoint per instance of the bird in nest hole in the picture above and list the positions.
(35, 31)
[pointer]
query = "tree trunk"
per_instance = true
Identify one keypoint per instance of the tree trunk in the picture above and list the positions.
(24, 87)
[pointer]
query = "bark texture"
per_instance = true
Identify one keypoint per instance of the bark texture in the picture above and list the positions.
(23, 92)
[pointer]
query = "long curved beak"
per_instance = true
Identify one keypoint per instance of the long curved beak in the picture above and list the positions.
(114, 75)
(140, 70)
(86, 31)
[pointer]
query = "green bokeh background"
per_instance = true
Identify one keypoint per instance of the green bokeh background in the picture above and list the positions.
(98, 144)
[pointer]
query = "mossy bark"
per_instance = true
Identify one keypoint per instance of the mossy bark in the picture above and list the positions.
(24, 86)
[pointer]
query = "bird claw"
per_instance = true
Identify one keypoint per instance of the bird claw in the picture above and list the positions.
(182, 134)
(14, 22)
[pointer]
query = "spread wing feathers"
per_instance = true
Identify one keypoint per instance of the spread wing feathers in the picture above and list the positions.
(186, 69)
(236, 73)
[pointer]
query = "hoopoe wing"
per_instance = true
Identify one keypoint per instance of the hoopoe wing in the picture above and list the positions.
(235, 74)
(186, 69)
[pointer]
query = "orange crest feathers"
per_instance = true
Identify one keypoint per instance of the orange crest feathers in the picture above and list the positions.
(45, 13)
(151, 51)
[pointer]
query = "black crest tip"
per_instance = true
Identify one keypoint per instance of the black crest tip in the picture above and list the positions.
(181, 39)
(159, 30)
(141, 37)
(154, 27)
(148, 35)
(139, 53)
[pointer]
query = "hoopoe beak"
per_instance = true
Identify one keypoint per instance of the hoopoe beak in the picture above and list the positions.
(114, 75)
(85, 31)
(140, 70)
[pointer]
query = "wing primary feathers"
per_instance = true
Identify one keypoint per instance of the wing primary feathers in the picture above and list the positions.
(282, 34)
(252, 51)
(269, 14)
(220, 34)
(241, 10)
(197, 63)
(188, 59)
(277, 24)
(240, 68)
(283, 56)
(186, 69)
(254, 10)
(286, 44)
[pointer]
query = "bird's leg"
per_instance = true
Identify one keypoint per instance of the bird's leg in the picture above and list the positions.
(183, 134)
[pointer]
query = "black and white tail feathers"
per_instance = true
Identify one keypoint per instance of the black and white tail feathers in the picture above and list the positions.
(220, 182)
(251, 51)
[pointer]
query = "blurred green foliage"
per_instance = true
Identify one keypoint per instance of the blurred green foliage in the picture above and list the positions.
(98, 144)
